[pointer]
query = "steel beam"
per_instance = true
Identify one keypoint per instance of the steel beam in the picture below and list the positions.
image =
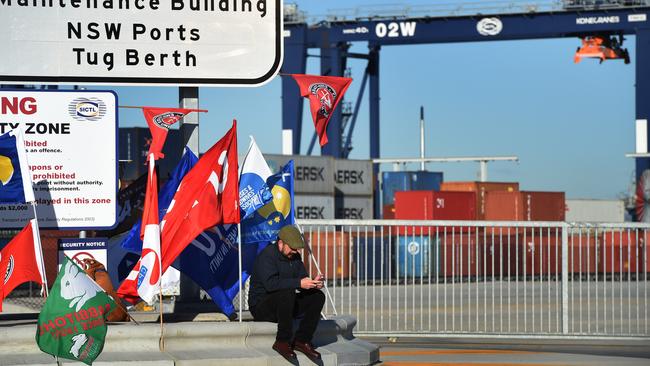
(642, 91)
(295, 62)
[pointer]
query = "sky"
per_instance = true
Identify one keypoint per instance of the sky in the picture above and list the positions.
(569, 124)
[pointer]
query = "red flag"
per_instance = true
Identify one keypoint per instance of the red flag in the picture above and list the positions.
(207, 196)
(324, 93)
(159, 121)
(19, 262)
(144, 279)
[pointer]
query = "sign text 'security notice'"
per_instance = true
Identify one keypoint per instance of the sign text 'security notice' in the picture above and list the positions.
(70, 139)
(157, 42)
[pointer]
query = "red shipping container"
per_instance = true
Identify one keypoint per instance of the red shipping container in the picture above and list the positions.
(620, 250)
(431, 205)
(334, 266)
(583, 254)
(480, 189)
(461, 255)
(540, 254)
(501, 249)
(525, 206)
(388, 212)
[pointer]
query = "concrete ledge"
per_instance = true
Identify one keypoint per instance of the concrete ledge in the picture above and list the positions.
(197, 343)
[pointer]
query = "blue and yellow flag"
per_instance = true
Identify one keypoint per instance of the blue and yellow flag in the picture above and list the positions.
(15, 185)
(263, 226)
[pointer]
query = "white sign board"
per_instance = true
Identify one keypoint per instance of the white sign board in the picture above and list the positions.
(71, 143)
(80, 249)
(155, 42)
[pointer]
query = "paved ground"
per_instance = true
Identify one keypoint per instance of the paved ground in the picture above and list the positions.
(505, 307)
(434, 353)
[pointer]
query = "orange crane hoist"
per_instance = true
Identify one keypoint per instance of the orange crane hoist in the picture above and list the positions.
(602, 47)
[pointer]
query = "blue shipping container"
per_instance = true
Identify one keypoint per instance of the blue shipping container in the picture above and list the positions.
(408, 181)
(416, 257)
(370, 254)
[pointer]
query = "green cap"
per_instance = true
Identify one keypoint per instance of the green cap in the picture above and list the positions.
(291, 236)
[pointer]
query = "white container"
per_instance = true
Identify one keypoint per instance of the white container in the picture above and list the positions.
(584, 210)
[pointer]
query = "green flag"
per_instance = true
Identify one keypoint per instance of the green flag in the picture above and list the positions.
(72, 322)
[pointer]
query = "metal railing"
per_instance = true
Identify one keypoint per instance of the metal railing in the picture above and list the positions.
(478, 277)
(431, 278)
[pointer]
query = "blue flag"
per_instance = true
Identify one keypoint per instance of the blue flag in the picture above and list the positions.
(253, 190)
(132, 241)
(15, 182)
(211, 261)
(264, 225)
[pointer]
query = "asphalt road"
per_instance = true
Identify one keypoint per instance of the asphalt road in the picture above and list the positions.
(534, 307)
(423, 352)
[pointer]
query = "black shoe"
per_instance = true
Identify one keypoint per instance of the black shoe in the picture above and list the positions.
(308, 349)
(284, 349)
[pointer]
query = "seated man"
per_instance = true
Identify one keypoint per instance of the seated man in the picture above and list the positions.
(280, 289)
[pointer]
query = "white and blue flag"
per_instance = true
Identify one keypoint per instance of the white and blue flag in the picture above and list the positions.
(253, 189)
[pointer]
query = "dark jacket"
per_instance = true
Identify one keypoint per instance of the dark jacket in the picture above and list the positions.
(272, 272)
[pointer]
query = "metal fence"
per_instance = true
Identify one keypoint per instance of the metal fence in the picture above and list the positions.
(479, 277)
(429, 278)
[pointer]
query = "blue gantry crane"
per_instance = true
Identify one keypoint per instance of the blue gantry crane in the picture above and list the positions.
(600, 24)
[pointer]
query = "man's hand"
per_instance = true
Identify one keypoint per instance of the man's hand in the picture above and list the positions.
(319, 279)
(307, 283)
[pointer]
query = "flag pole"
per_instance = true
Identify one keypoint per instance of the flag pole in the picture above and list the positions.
(41, 263)
(162, 328)
(31, 199)
(241, 293)
(311, 255)
(329, 296)
(161, 342)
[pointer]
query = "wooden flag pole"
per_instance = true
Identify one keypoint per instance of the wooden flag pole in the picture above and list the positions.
(162, 328)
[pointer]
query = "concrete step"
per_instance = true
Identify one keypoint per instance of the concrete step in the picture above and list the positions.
(196, 343)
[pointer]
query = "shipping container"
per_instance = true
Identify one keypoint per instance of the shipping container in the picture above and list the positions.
(595, 211)
(621, 252)
(460, 255)
(312, 174)
(540, 253)
(480, 189)
(503, 253)
(388, 212)
(331, 251)
(524, 206)
(353, 207)
(315, 207)
(408, 181)
(430, 205)
(371, 251)
(353, 177)
(416, 257)
(583, 254)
